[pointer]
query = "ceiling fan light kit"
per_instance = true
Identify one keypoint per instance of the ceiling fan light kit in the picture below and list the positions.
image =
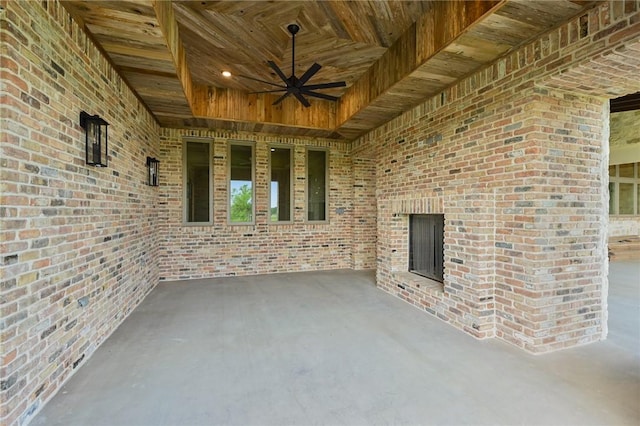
(297, 86)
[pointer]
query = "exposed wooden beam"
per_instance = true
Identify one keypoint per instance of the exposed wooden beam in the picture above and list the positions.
(169, 28)
(236, 105)
(435, 29)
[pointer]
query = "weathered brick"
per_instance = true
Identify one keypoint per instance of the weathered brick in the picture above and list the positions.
(485, 153)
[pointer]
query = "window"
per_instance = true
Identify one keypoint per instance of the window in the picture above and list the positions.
(280, 184)
(198, 181)
(426, 245)
(241, 209)
(624, 189)
(317, 185)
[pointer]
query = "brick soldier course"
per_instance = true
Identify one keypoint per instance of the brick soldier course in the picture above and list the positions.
(515, 157)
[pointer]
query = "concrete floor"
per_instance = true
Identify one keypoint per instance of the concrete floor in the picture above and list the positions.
(329, 348)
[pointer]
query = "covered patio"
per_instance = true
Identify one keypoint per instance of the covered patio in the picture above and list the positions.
(329, 348)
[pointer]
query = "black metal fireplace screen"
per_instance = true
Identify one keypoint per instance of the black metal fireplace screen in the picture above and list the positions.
(426, 245)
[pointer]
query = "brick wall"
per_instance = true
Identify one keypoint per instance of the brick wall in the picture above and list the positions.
(364, 209)
(222, 249)
(68, 230)
(515, 157)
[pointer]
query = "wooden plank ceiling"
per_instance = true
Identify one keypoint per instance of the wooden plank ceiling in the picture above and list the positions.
(392, 54)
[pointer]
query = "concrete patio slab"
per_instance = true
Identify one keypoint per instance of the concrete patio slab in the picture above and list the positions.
(330, 348)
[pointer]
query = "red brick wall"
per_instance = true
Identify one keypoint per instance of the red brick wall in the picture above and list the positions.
(515, 156)
(222, 249)
(68, 230)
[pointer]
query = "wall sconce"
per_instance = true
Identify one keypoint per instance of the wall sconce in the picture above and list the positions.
(96, 139)
(152, 171)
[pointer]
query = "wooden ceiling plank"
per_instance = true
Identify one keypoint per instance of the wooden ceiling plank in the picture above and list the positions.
(150, 66)
(156, 55)
(444, 22)
(169, 27)
(148, 72)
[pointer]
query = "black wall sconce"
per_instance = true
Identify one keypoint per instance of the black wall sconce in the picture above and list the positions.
(96, 139)
(152, 171)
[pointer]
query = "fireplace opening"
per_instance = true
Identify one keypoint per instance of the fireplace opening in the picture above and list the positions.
(426, 245)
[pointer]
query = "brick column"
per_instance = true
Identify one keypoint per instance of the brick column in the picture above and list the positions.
(551, 265)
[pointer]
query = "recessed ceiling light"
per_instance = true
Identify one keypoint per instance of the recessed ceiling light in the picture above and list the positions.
(226, 74)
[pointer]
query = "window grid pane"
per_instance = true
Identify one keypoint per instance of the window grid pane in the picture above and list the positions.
(624, 191)
(198, 179)
(626, 201)
(316, 185)
(241, 184)
(280, 185)
(626, 170)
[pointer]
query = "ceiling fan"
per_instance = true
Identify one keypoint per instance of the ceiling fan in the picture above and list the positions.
(297, 86)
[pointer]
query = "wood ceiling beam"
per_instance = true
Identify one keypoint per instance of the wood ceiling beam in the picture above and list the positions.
(237, 105)
(439, 26)
(169, 27)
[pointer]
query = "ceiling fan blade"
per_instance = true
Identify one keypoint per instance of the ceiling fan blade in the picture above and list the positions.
(313, 69)
(324, 85)
(279, 72)
(302, 99)
(281, 98)
(261, 81)
(319, 95)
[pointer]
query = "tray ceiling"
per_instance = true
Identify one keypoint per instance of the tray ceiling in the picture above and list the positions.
(392, 54)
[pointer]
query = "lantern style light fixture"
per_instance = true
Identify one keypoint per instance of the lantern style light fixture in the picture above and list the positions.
(152, 171)
(96, 139)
